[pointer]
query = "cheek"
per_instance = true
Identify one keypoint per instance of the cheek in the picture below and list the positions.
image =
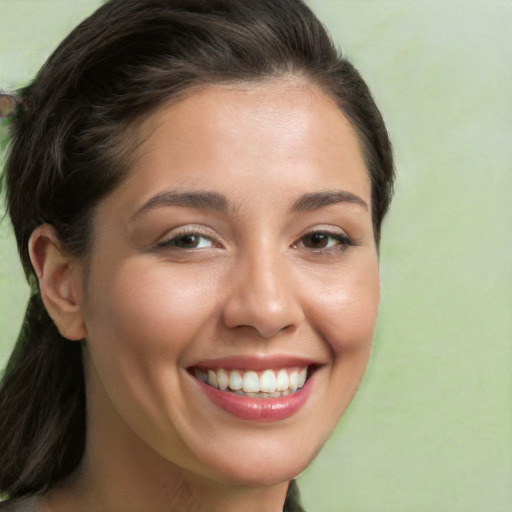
(147, 307)
(346, 308)
(141, 321)
(342, 309)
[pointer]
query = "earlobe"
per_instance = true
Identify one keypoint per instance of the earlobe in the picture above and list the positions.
(59, 281)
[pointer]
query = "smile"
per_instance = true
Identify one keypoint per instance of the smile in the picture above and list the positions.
(270, 383)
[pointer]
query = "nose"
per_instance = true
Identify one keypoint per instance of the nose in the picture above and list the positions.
(263, 296)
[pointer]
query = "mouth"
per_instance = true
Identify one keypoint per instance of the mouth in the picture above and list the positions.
(269, 383)
(257, 389)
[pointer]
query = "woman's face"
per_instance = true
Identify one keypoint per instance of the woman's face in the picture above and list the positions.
(240, 251)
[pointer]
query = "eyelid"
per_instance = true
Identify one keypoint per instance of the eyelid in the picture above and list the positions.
(329, 229)
(190, 229)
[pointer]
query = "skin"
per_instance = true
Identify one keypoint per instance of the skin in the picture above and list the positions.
(255, 285)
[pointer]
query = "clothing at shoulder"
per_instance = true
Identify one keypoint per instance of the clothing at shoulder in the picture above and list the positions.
(19, 505)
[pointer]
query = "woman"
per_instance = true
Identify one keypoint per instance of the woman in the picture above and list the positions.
(197, 190)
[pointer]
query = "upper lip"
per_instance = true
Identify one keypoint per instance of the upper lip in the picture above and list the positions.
(256, 362)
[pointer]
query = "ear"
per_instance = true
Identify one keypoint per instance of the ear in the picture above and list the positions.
(59, 281)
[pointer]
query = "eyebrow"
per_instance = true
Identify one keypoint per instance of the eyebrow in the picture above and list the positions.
(217, 202)
(316, 200)
(200, 200)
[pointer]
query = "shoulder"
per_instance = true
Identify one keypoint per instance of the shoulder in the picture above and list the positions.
(19, 505)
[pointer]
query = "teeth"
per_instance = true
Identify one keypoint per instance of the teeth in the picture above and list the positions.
(202, 375)
(294, 381)
(235, 380)
(251, 383)
(212, 378)
(222, 379)
(268, 383)
(282, 381)
(302, 377)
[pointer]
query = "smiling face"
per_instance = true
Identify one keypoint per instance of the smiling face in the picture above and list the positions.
(239, 252)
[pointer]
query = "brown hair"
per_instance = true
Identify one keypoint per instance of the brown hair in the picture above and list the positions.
(71, 146)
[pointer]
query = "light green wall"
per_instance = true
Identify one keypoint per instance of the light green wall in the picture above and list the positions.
(431, 427)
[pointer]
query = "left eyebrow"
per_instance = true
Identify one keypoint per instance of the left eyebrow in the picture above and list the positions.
(196, 199)
(316, 200)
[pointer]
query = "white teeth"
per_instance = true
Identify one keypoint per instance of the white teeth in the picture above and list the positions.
(294, 381)
(268, 381)
(251, 383)
(222, 379)
(282, 381)
(302, 377)
(235, 380)
(212, 378)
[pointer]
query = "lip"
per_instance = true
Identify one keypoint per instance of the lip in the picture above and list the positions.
(257, 409)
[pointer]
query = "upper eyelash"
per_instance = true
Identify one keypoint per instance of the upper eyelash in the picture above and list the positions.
(345, 240)
(167, 241)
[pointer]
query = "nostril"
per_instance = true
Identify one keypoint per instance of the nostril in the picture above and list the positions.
(267, 321)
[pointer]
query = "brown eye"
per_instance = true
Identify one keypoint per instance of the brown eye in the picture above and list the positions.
(317, 240)
(188, 241)
(322, 240)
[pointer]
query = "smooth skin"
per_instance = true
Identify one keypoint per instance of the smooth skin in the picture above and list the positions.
(243, 229)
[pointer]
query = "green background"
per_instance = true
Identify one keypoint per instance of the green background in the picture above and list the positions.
(431, 427)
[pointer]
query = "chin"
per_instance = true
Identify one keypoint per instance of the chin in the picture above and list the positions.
(272, 464)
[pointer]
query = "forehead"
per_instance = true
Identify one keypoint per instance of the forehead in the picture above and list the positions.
(273, 138)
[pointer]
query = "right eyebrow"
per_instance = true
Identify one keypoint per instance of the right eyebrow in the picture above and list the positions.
(193, 199)
(316, 200)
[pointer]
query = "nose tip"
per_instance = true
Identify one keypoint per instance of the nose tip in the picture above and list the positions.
(263, 299)
(266, 319)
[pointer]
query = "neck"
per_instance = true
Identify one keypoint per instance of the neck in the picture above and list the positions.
(174, 493)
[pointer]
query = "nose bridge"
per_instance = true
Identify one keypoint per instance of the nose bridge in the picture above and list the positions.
(263, 295)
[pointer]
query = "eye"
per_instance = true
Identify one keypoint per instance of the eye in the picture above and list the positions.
(188, 240)
(319, 240)
(323, 240)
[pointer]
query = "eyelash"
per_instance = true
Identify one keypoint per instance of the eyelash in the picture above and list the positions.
(191, 231)
(342, 240)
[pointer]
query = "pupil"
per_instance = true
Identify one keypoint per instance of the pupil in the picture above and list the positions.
(318, 239)
(188, 240)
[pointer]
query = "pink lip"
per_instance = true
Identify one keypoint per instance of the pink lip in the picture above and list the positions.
(256, 363)
(258, 409)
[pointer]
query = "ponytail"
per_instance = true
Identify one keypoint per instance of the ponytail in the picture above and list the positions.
(42, 407)
(292, 503)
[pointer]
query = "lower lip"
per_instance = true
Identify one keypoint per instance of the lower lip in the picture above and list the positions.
(258, 409)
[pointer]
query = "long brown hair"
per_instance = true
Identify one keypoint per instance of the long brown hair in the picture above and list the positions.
(71, 145)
